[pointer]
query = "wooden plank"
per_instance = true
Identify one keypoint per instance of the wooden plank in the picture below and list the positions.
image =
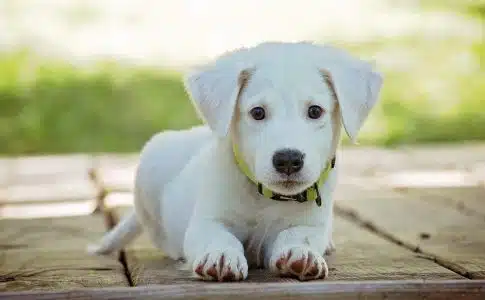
(118, 199)
(49, 168)
(65, 190)
(116, 172)
(429, 179)
(367, 161)
(5, 172)
(467, 200)
(49, 254)
(360, 256)
(446, 156)
(46, 210)
(55, 199)
(479, 172)
(439, 231)
(370, 290)
(41, 186)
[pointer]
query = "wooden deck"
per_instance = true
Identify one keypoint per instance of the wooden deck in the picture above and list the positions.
(410, 224)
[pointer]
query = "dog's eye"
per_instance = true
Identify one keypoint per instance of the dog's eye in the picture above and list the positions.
(315, 112)
(257, 113)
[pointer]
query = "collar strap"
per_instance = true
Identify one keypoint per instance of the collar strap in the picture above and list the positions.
(310, 194)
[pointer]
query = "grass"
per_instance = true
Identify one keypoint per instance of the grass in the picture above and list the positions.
(473, 7)
(434, 92)
(50, 107)
(438, 95)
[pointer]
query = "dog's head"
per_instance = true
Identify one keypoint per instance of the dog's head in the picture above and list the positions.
(283, 104)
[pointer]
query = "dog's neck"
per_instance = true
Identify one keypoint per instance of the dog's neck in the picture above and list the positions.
(310, 194)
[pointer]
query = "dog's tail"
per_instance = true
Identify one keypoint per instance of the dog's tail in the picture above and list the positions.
(124, 232)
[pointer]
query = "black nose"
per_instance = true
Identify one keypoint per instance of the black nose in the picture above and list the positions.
(288, 161)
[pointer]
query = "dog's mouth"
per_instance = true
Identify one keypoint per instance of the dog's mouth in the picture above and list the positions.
(289, 186)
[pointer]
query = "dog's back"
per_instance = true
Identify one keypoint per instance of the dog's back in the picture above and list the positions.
(162, 158)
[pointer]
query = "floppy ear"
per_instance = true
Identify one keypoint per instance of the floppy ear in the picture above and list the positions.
(214, 92)
(356, 89)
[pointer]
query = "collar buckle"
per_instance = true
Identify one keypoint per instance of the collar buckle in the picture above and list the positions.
(318, 199)
(298, 197)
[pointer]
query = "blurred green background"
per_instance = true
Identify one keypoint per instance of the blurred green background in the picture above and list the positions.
(434, 92)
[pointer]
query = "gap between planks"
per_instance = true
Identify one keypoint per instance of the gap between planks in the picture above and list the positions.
(110, 219)
(355, 218)
(424, 224)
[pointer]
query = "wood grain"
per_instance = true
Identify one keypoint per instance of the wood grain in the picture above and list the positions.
(48, 168)
(42, 186)
(467, 200)
(361, 255)
(5, 171)
(420, 222)
(445, 156)
(116, 172)
(363, 160)
(369, 290)
(49, 254)
(65, 190)
(47, 210)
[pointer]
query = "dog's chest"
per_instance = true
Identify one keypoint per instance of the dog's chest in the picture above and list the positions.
(267, 219)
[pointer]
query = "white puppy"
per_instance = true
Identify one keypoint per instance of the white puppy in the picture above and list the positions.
(208, 195)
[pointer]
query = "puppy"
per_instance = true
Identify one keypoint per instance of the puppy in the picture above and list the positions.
(253, 187)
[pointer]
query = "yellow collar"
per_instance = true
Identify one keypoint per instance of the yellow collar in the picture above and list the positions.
(310, 194)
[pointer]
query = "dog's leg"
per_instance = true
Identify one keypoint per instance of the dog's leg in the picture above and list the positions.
(298, 252)
(214, 252)
(331, 245)
(331, 248)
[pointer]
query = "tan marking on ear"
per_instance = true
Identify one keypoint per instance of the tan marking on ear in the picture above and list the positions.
(327, 77)
(243, 79)
(336, 125)
(242, 82)
(336, 117)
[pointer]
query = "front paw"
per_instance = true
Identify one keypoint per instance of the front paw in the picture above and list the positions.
(218, 265)
(300, 262)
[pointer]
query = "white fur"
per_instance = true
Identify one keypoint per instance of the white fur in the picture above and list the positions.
(190, 195)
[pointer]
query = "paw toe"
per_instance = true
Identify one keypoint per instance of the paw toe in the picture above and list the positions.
(298, 266)
(301, 263)
(222, 266)
(212, 271)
